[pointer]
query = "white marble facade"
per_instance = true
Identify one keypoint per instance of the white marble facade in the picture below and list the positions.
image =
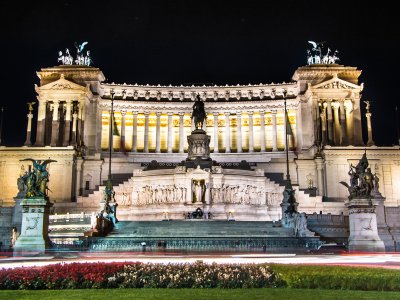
(245, 122)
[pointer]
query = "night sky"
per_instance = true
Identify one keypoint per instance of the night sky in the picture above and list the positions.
(172, 42)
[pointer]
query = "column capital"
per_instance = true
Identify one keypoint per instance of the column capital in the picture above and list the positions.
(216, 114)
(158, 114)
(250, 113)
(274, 111)
(348, 105)
(335, 105)
(135, 113)
(146, 113)
(239, 114)
(170, 114)
(181, 114)
(123, 112)
(262, 112)
(227, 114)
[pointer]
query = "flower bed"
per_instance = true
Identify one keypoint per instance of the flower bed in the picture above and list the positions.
(138, 275)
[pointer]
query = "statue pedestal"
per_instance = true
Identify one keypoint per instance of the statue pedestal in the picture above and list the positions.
(363, 226)
(199, 145)
(34, 238)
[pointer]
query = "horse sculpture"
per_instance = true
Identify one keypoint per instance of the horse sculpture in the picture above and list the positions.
(198, 114)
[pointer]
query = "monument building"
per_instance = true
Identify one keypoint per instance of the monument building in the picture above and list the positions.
(247, 132)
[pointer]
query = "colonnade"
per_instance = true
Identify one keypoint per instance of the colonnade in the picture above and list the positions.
(225, 128)
(60, 122)
(336, 117)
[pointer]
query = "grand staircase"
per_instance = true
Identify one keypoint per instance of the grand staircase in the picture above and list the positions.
(203, 235)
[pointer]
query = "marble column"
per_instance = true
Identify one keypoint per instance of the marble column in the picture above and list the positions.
(343, 140)
(216, 150)
(274, 132)
(146, 132)
(134, 131)
(169, 149)
(74, 121)
(369, 128)
(320, 176)
(29, 129)
(356, 116)
(323, 124)
(181, 133)
(55, 124)
(67, 123)
(348, 105)
(227, 133)
(122, 141)
(262, 130)
(336, 122)
(41, 122)
(158, 131)
(329, 123)
(239, 132)
(251, 135)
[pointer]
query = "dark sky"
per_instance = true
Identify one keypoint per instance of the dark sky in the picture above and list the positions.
(210, 42)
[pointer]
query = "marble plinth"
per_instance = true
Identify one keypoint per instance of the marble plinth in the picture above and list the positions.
(199, 145)
(363, 226)
(34, 237)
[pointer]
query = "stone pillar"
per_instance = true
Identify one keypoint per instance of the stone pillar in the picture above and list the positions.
(329, 117)
(227, 133)
(158, 130)
(343, 140)
(369, 127)
(251, 136)
(356, 116)
(122, 143)
(323, 124)
(29, 129)
(216, 150)
(34, 238)
(41, 122)
(262, 131)
(348, 105)
(134, 130)
(181, 133)
(363, 226)
(336, 122)
(320, 176)
(74, 121)
(274, 132)
(169, 149)
(239, 132)
(55, 124)
(67, 122)
(146, 132)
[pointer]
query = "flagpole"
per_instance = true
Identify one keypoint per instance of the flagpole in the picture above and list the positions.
(397, 125)
(286, 142)
(1, 124)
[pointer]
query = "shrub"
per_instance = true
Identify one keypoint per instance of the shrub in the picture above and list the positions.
(137, 275)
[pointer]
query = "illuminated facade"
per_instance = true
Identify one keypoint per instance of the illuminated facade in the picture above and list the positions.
(245, 122)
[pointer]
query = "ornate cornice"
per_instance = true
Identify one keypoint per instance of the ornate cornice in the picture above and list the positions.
(210, 107)
(207, 93)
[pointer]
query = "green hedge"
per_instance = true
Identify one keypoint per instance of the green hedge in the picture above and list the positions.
(338, 277)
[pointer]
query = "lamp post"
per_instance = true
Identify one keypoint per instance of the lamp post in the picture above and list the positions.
(108, 205)
(112, 93)
(289, 204)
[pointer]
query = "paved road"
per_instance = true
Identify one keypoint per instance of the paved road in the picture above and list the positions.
(387, 260)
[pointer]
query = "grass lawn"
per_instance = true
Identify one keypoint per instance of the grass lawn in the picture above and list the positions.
(191, 294)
